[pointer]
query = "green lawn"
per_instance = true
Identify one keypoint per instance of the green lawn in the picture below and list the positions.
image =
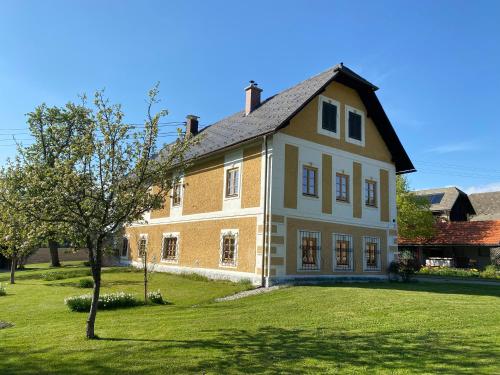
(346, 328)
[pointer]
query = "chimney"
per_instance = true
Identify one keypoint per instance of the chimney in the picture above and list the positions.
(191, 125)
(252, 97)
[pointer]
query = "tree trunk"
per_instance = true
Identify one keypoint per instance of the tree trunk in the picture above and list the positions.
(54, 254)
(95, 257)
(145, 265)
(13, 266)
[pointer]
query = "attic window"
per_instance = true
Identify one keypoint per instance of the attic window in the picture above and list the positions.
(328, 117)
(355, 126)
(435, 198)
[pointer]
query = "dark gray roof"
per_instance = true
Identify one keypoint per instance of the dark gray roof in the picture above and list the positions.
(486, 205)
(275, 112)
(450, 196)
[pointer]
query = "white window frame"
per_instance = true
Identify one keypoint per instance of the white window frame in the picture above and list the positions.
(372, 239)
(127, 237)
(342, 268)
(229, 232)
(346, 118)
(316, 181)
(175, 235)
(141, 236)
(322, 99)
(226, 172)
(178, 206)
(299, 251)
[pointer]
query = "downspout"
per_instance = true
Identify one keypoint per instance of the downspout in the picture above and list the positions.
(265, 280)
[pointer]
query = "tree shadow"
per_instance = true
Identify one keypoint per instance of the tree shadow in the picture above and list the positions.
(427, 287)
(272, 350)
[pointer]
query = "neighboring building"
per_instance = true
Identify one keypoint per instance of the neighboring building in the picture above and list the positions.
(300, 185)
(467, 232)
(460, 244)
(449, 204)
(486, 205)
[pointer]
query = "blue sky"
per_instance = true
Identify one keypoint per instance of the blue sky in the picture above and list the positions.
(436, 63)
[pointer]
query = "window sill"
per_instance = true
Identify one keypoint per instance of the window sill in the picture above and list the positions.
(341, 201)
(310, 196)
(355, 142)
(228, 265)
(328, 133)
(303, 271)
(231, 197)
(170, 261)
(371, 206)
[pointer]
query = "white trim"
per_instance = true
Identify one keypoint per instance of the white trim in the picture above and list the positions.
(125, 236)
(321, 100)
(346, 118)
(334, 253)
(216, 215)
(211, 273)
(379, 250)
(229, 232)
(299, 251)
(175, 235)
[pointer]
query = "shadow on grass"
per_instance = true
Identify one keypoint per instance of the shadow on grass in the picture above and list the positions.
(416, 286)
(277, 350)
(104, 284)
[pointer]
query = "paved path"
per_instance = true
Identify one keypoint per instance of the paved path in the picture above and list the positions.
(251, 292)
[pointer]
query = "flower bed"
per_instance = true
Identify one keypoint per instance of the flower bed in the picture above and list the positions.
(106, 301)
(490, 272)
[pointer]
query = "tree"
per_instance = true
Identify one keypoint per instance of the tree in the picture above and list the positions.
(18, 237)
(109, 175)
(54, 130)
(415, 220)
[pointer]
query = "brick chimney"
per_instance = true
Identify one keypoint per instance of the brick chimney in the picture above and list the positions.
(252, 97)
(191, 125)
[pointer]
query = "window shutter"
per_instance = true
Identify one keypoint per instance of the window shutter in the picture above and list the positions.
(354, 126)
(329, 117)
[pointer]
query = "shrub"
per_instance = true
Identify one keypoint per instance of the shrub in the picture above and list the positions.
(106, 301)
(86, 283)
(86, 263)
(246, 283)
(407, 265)
(491, 272)
(156, 298)
(51, 276)
(3, 290)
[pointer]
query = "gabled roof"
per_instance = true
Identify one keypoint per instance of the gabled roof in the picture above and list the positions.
(448, 199)
(277, 111)
(486, 205)
(468, 233)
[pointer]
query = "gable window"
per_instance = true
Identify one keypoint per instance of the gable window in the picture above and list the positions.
(342, 187)
(143, 244)
(170, 246)
(328, 117)
(355, 126)
(125, 246)
(309, 247)
(371, 193)
(232, 182)
(229, 248)
(309, 181)
(177, 195)
(371, 254)
(343, 252)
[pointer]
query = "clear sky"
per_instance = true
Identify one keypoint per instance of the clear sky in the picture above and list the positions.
(437, 64)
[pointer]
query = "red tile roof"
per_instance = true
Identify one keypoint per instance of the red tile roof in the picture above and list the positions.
(462, 233)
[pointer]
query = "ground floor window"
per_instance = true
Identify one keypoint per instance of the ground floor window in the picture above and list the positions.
(342, 258)
(309, 249)
(229, 248)
(125, 247)
(170, 247)
(371, 251)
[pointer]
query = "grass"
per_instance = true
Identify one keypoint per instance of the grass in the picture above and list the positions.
(421, 328)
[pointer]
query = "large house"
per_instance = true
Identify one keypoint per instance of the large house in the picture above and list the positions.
(300, 185)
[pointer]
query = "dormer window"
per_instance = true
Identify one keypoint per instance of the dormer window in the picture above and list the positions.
(355, 125)
(328, 117)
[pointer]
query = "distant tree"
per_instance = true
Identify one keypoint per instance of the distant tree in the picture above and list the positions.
(109, 175)
(415, 220)
(18, 237)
